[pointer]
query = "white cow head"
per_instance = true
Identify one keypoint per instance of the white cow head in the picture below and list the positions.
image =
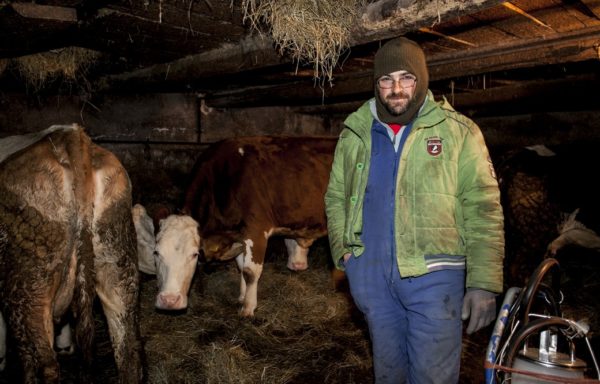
(176, 256)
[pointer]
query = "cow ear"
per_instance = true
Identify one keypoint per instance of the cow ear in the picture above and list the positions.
(234, 251)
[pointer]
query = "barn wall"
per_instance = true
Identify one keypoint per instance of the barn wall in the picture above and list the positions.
(158, 137)
(219, 124)
(157, 117)
(548, 128)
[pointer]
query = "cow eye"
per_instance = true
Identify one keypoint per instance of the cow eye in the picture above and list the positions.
(195, 255)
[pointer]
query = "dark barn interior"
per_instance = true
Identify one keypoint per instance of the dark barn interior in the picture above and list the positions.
(157, 81)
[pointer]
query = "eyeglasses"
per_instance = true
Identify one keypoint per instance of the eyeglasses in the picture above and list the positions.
(387, 82)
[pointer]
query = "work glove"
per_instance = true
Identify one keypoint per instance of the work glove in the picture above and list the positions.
(480, 306)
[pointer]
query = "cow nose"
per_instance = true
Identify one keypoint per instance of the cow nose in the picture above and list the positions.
(169, 301)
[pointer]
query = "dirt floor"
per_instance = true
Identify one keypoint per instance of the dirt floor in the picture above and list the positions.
(305, 331)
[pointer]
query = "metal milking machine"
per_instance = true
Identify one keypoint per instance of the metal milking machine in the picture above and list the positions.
(531, 342)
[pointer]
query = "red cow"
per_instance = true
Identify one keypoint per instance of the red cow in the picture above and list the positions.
(66, 235)
(244, 191)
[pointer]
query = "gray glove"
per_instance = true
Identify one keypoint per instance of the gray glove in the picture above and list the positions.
(480, 305)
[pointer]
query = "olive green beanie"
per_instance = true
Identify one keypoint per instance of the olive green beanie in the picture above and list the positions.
(401, 54)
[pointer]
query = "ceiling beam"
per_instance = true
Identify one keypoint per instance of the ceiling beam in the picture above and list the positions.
(384, 19)
(567, 47)
(46, 12)
(593, 6)
(250, 53)
(529, 96)
(573, 47)
(260, 52)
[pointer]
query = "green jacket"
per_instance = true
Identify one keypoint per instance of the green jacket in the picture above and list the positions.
(447, 203)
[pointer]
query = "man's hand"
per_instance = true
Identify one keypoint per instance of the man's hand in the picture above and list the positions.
(480, 306)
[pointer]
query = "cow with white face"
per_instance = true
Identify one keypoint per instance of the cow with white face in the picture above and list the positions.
(176, 257)
(243, 191)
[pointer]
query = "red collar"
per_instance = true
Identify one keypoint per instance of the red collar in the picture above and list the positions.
(395, 127)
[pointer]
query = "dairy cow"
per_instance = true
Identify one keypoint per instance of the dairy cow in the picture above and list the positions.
(66, 236)
(243, 191)
(550, 201)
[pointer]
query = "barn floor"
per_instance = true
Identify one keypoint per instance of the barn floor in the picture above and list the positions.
(304, 331)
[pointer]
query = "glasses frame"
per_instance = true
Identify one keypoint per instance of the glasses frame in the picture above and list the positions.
(406, 81)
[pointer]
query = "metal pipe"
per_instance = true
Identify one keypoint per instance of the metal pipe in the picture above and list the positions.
(498, 332)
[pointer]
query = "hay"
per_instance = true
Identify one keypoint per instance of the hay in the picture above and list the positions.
(40, 69)
(310, 31)
(304, 331)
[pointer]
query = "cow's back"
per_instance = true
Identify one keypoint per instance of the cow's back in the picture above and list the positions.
(280, 178)
(39, 210)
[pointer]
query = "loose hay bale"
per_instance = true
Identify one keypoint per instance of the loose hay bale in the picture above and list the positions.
(313, 32)
(39, 69)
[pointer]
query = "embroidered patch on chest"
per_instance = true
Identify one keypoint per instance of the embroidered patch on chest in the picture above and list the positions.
(434, 145)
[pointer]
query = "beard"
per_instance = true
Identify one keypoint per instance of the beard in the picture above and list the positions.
(397, 103)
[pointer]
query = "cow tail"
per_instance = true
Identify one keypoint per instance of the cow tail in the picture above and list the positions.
(84, 300)
(84, 295)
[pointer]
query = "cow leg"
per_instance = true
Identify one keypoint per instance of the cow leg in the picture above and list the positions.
(33, 332)
(63, 342)
(115, 264)
(117, 287)
(240, 263)
(298, 253)
(251, 266)
(28, 317)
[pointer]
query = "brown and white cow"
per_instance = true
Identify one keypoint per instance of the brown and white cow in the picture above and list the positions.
(243, 191)
(66, 235)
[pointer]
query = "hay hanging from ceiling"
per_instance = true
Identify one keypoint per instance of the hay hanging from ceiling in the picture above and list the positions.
(39, 69)
(314, 32)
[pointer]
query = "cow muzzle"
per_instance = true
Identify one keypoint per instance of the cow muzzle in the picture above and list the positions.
(170, 301)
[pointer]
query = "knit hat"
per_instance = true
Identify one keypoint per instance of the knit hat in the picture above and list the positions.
(401, 54)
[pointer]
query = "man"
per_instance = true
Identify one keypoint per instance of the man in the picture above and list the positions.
(414, 219)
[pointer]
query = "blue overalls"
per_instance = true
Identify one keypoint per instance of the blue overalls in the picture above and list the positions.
(414, 322)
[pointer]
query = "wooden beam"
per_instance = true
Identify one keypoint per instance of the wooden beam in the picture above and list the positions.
(518, 10)
(573, 47)
(593, 6)
(410, 16)
(47, 12)
(529, 96)
(257, 52)
(299, 92)
(568, 47)
(250, 53)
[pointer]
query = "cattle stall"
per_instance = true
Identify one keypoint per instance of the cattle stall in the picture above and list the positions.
(159, 82)
(306, 328)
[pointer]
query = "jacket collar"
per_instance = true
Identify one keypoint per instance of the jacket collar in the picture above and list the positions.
(430, 114)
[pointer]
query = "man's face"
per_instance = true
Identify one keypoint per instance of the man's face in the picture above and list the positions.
(396, 90)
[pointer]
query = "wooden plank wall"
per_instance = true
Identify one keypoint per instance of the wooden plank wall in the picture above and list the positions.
(158, 137)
